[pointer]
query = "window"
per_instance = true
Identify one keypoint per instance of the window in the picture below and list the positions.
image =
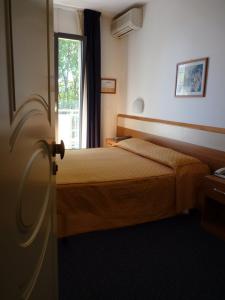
(69, 68)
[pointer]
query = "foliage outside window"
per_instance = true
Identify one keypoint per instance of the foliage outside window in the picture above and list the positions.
(69, 74)
(69, 87)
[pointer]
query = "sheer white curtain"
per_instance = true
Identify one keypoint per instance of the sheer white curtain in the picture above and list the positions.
(80, 21)
(68, 20)
(79, 25)
(79, 16)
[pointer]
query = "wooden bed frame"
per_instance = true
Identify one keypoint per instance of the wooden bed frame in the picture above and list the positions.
(213, 158)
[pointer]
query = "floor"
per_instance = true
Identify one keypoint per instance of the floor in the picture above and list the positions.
(169, 259)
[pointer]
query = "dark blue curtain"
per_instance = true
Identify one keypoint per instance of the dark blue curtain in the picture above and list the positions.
(93, 72)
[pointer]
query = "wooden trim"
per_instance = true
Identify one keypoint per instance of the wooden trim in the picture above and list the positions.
(213, 158)
(174, 123)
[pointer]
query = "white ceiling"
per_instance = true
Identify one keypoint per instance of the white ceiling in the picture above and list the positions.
(107, 7)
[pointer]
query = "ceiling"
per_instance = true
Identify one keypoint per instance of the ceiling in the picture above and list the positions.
(107, 7)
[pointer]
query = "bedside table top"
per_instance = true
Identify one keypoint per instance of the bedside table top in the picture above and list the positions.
(114, 140)
(110, 142)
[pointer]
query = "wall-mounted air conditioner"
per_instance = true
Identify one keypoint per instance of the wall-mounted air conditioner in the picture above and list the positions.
(131, 20)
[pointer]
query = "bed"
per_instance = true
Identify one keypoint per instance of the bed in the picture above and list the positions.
(131, 183)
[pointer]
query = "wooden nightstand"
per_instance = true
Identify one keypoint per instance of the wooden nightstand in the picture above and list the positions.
(110, 142)
(213, 217)
(113, 141)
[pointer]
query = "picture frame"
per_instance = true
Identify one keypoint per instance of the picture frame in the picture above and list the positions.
(191, 77)
(108, 86)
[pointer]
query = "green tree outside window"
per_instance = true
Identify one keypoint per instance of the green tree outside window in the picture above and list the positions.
(68, 74)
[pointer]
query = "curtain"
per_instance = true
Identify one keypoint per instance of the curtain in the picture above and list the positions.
(93, 76)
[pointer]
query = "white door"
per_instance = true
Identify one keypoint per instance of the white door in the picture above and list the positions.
(28, 263)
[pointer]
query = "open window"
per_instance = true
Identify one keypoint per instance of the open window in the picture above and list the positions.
(69, 88)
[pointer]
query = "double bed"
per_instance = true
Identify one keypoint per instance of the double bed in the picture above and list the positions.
(131, 183)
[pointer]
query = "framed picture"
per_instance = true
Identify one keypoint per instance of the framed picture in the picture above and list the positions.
(191, 78)
(108, 86)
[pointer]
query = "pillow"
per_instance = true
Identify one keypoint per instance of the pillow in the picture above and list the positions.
(163, 155)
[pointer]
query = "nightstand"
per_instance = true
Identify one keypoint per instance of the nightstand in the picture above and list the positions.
(110, 142)
(213, 217)
(113, 141)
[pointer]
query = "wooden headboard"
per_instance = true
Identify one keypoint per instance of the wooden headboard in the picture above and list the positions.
(213, 158)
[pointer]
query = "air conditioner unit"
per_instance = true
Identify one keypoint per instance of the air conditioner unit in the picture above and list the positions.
(129, 21)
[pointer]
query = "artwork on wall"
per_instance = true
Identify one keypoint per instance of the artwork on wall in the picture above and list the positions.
(108, 86)
(191, 78)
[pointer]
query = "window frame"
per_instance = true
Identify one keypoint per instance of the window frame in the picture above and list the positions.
(82, 39)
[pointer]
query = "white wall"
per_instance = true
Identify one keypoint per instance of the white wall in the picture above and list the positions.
(175, 31)
(112, 66)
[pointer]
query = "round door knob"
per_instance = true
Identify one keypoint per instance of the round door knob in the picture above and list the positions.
(58, 149)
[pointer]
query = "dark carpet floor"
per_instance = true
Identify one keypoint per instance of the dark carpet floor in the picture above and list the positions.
(170, 259)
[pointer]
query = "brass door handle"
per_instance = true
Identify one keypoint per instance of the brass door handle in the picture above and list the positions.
(58, 149)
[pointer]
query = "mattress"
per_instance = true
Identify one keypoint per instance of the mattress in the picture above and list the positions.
(132, 183)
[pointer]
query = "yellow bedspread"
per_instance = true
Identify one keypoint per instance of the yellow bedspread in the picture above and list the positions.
(106, 164)
(113, 187)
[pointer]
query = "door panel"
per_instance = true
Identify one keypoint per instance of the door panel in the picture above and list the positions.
(27, 212)
(29, 50)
